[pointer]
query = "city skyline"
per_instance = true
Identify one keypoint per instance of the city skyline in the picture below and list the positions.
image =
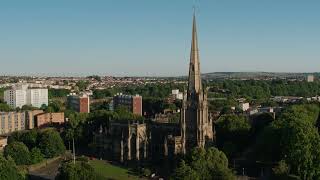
(142, 38)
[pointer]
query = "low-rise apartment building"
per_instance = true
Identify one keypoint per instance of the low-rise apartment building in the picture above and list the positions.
(18, 121)
(45, 119)
(12, 121)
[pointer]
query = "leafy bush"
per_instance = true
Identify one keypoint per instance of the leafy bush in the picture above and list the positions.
(204, 164)
(8, 169)
(19, 152)
(79, 170)
(50, 143)
(36, 156)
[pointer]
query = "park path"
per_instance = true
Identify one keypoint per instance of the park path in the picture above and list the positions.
(47, 172)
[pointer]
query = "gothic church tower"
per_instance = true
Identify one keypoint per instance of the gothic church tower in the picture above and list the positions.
(196, 126)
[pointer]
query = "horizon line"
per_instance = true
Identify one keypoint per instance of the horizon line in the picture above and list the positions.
(81, 75)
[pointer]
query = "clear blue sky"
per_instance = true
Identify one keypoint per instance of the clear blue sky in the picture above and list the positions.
(152, 37)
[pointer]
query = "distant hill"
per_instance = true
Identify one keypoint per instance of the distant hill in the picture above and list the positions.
(256, 75)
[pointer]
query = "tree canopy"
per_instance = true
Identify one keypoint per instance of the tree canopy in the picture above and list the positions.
(19, 152)
(205, 165)
(82, 85)
(58, 93)
(233, 132)
(81, 170)
(5, 107)
(102, 93)
(252, 89)
(30, 147)
(36, 156)
(50, 143)
(9, 170)
(293, 138)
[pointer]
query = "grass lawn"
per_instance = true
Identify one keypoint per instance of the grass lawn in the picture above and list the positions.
(109, 171)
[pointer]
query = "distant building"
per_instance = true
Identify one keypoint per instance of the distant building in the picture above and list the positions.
(37, 97)
(45, 119)
(22, 94)
(17, 121)
(15, 98)
(177, 94)
(12, 121)
(30, 118)
(310, 78)
(244, 106)
(132, 103)
(79, 103)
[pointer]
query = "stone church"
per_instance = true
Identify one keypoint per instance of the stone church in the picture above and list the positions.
(137, 141)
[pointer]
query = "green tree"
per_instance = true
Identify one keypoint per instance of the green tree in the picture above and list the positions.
(153, 105)
(50, 143)
(123, 114)
(28, 108)
(75, 119)
(15, 136)
(74, 126)
(49, 109)
(36, 156)
(54, 93)
(43, 107)
(8, 170)
(267, 146)
(55, 106)
(2, 94)
(205, 165)
(102, 93)
(260, 121)
(185, 172)
(5, 107)
(79, 171)
(18, 152)
(281, 171)
(300, 144)
(82, 85)
(95, 77)
(29, 138)
(293, 138)
(261, 91)
(233, 133)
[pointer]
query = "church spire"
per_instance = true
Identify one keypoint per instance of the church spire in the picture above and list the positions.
(196, 126)
(194, 84)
